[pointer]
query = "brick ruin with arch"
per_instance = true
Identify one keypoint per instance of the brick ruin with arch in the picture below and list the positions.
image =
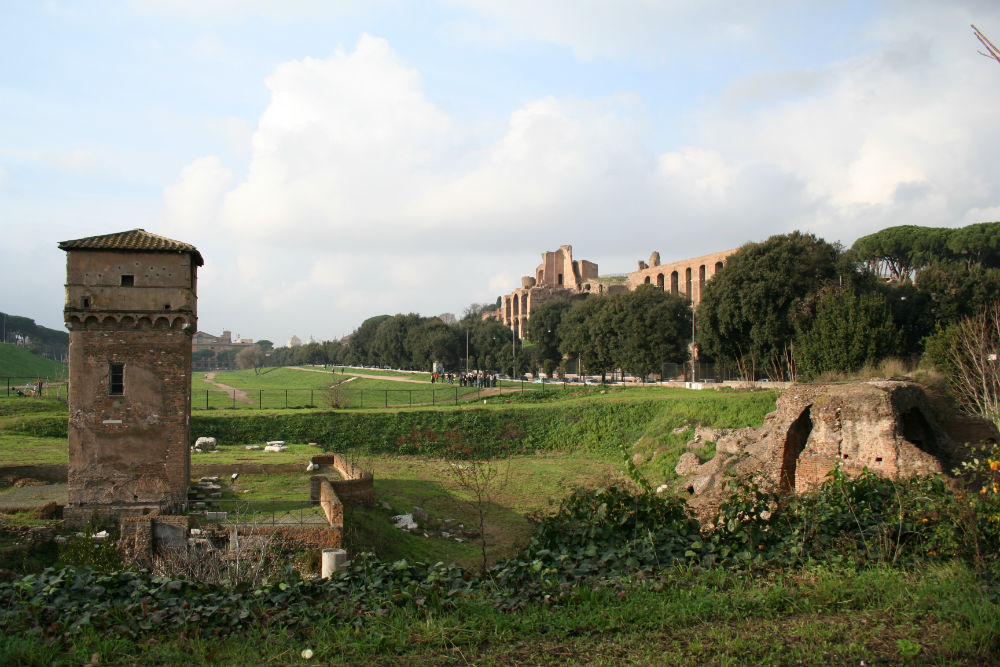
(559, 276)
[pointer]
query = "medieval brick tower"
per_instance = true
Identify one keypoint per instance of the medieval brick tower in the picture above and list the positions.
(131, 309)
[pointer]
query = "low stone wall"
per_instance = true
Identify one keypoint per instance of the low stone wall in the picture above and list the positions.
(356, 485)
(54, 473)
(332, 506)
(304, 537)
(141, 535)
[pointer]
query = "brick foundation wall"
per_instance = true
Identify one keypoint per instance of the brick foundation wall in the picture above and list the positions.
(302, 537)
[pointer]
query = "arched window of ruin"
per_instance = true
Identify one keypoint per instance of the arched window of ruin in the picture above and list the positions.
(541, 274)
(517, 306)
(701, 279)
(524, 304)
(718, 267)
(795, 442)
(674, 279)
(659, 280)
(560, 280)
(646, 281)
(687, 281)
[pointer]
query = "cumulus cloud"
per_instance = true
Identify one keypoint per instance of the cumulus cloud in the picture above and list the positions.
(344, 143)
(356, 172)
(191, 204)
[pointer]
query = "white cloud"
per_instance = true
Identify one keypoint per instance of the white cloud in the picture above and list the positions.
(343, 144)
(623, 29)
(78, 160)
(191, 204)
(364, 196)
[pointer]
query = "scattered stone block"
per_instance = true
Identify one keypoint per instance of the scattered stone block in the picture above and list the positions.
(205, 444)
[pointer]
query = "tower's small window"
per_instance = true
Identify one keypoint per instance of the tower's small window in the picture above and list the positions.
(116, 384)
(86, 302)
(128, 280)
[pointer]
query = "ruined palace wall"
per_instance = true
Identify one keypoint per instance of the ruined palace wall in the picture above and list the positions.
(673, 277)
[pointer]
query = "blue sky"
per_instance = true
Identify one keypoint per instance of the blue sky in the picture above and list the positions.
(337, 160)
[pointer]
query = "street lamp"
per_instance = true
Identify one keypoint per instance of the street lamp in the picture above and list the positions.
(513, 350)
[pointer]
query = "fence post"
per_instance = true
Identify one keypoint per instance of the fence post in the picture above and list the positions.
(234, 399)
(456, 395)
(386, 398)
(362, 398)
(433, 396)
(260, 399)
(411, 397)
(311, 402)
(206, 399)
(286, 399)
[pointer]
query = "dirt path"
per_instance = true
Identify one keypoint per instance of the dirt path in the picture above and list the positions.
(240, 394)
(362, 375)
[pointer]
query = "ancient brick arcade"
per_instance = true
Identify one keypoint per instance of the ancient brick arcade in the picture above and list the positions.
(131, 309)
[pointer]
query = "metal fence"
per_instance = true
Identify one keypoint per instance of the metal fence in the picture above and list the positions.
(35, 387)
(282, 399)
(259, 512)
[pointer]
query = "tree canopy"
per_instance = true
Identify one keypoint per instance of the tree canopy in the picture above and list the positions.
(746, 316)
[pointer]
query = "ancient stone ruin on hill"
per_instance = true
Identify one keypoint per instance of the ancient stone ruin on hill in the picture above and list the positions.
(887, 427)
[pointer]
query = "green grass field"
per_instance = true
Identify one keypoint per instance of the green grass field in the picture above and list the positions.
(314, 387)
(17, 362)
(831, 612)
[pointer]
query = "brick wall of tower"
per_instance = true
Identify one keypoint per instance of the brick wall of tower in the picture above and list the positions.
(131, 449)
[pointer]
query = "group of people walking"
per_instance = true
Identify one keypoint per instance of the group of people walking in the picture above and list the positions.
(479, 379)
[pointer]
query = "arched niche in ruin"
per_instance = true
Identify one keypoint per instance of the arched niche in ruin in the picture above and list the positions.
(795, 443)
(915, 428)
(674, 283)
(659, 280)
(718, 266)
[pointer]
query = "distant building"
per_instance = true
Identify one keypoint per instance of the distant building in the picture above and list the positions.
(131, 311)
(559, 276)
(294, 341)
(686, 277)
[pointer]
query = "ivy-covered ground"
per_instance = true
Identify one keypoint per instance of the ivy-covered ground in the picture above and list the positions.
(861, 570)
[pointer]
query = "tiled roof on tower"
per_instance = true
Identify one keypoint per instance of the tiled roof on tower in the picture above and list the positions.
(134, 239)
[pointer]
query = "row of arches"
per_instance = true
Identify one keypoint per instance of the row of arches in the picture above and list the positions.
(177, 322)
(688, 279)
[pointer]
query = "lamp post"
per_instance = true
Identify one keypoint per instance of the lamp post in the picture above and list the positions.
(513, 350)
(694, 350)
(466, 351)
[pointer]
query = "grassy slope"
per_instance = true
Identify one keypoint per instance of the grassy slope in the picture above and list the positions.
(20, 363)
